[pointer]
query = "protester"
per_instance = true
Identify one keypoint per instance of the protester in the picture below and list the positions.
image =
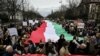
(9, 51)
(64, 49)
(50, 48)
(74, 44)
(11, 44)
(60, 41)
(31, 47)
(41, 48)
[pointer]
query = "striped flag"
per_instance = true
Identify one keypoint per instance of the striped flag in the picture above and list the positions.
(49, 30)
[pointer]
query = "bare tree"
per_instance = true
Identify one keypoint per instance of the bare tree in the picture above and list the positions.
(12, 8)
(73, 3)
(71, 11)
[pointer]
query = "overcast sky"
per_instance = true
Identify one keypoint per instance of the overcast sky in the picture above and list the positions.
(44, 7)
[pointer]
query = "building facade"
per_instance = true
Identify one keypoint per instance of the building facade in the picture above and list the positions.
(90, 8)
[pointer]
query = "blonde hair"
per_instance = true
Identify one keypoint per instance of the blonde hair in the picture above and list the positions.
(9, 48)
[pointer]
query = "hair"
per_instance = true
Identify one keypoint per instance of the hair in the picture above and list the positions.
(62, 35)
(9, 48)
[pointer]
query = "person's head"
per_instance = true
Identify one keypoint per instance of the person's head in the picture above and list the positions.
(9, 49)
(41, 41)
(23, 39)
(62, 36)
(98, 35)
(49, 40)
(25, 36)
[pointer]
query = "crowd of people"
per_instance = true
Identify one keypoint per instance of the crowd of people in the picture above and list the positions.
(90, 34)
(10, 45)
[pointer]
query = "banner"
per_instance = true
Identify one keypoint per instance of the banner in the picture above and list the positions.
(13, 31)
(36, 21)
(80, 25)
(30, 21)
(33, 23)
(24, 23)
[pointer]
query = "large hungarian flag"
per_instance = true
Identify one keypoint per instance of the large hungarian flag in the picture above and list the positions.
(49, 30)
